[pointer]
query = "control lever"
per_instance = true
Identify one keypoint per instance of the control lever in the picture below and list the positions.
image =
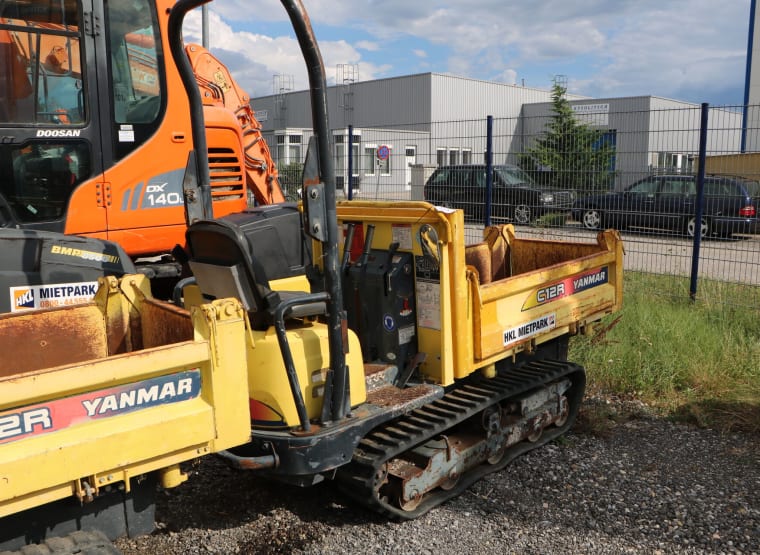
(347, 247)
(388, 264)
(367, 245)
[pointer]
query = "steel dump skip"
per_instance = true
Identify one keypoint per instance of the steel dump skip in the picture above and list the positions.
(539, 290)
(94, 395)
(482, 303)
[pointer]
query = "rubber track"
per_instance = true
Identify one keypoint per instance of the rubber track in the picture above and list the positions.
(357, 479)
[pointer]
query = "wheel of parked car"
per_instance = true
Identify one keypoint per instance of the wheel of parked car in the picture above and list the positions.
(691, 226)
(592, 218)
(522, 214)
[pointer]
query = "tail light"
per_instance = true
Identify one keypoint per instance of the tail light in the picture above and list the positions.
(748, 212)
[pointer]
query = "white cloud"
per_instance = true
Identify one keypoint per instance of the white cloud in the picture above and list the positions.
(253, 59)
(672, 54)
(368, 45)
(508, 76)
(605, 46)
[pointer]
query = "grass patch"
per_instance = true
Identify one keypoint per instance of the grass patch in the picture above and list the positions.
(698, 361)
(552, 219)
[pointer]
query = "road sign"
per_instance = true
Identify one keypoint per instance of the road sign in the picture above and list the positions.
(383, 152)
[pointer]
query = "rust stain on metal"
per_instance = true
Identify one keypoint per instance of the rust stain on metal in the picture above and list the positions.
(389, 396)
(527, 255)
(49, 338)
(403, 469)
(117, 332)
(164, 324)
(373, 368)
(255, 463)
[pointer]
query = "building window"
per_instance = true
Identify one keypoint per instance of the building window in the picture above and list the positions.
(288, 148)
(466, 156)
(341, 140)
(453, 157)
(673, 162)
(340, 159)
(355, 159)
(369, 160)
(294, 148)
(440, 156)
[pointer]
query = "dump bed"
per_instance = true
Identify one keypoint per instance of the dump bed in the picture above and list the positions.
(481, 303)
(93, 395)
(529, 291)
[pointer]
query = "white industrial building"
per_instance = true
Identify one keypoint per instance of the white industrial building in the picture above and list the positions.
(432, 119)
(649, 133)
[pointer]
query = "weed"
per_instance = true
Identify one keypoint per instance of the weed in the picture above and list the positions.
(698, 361)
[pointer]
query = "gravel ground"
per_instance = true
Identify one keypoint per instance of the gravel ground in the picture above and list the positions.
(642, 485)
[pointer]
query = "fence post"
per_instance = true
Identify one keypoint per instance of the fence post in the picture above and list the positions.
(489, 170)
(700, 201)
(350, 193)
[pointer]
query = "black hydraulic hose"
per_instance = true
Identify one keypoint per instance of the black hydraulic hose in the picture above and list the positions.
(318, 92)
(261, 462)
(198, 126)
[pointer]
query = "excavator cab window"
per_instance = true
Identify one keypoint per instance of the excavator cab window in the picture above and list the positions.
(36, 179)
(42, 95)
(136, 72)
(41, 80)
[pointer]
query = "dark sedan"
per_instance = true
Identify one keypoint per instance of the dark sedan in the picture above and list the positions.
(669, 202)
(514, 195)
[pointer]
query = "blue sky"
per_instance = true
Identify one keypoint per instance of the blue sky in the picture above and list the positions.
(692, 50)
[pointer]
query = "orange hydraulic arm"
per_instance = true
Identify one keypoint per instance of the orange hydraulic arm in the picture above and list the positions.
(218, 88)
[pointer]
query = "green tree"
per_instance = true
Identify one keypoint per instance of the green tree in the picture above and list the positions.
(570, 154)
(290, 176)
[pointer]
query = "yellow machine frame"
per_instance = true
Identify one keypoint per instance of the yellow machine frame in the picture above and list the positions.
(127, 339)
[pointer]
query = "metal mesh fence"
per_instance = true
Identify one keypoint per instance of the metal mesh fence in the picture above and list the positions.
(635, 170)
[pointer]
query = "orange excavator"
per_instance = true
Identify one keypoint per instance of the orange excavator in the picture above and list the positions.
(95, 131)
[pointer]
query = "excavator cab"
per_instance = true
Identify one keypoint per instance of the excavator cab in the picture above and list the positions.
(74, 92)
(41, 85)
(80, 100)
(84, 112)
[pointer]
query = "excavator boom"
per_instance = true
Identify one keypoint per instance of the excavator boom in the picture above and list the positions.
(218, 88)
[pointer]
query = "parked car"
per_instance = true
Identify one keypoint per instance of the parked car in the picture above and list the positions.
(514, 195)
(668, 202)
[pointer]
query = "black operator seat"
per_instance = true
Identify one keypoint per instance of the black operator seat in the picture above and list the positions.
(238, 255)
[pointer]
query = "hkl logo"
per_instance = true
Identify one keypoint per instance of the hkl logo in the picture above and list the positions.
(24, 298)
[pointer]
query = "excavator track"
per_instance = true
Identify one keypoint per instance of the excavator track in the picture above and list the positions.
(414, 463)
